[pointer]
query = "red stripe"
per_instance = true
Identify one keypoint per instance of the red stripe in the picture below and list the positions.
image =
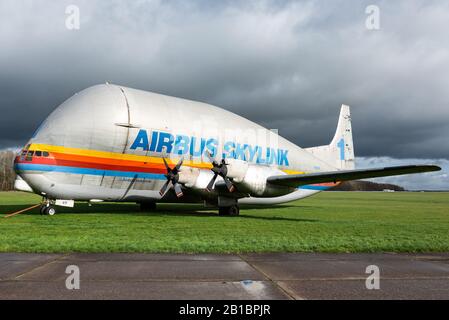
(149, 168)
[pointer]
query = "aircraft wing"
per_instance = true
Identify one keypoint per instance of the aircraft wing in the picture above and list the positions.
(296, 180)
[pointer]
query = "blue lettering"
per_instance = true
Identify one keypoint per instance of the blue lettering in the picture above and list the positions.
(341, 145)
(282, 157)
(271, 156)
(141, 140)
(165, 140)
(252, 152)
(211, 145)
(181, 145)
(184, 144)
(260, 158)
(240, 151)
(197, 153)
(229, 148)
(154, 136)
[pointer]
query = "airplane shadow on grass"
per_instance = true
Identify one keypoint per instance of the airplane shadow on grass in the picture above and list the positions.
(188, 210)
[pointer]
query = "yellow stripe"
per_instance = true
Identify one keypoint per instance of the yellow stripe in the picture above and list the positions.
(287, 171)
(113, 155)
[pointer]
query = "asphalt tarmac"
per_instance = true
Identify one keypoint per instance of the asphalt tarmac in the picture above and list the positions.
(211, 276)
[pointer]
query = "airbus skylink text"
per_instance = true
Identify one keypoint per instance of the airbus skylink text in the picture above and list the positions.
(159, 141)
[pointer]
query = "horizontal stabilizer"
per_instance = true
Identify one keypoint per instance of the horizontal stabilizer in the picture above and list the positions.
(296, 180)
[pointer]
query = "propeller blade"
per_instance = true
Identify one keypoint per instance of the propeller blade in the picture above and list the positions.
(179, 164)
(178, 190)
(166, 165)
(164, 188)
(211, 183)
(229, 184)
(214, 163)
(172, 177)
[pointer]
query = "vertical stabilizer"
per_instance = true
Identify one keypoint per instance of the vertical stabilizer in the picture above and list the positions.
(340, 152)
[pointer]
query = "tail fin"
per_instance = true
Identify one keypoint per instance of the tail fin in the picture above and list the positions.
(340, 152)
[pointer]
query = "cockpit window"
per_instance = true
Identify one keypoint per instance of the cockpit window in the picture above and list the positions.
(29, 156)
(22, 155)
(24, 152)
(38, 153)
(45, 154)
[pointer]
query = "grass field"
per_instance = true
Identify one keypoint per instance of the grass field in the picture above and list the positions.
(328, 222)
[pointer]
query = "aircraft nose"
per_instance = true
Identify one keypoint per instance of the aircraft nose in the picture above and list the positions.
(20, 184)
(16, 162)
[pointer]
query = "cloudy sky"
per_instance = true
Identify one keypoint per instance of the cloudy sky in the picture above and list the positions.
(284, 64)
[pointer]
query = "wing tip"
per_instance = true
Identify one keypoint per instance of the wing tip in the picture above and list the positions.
(430, 167)
(416, 168)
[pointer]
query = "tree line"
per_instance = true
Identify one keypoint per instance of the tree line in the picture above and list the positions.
(7, 174)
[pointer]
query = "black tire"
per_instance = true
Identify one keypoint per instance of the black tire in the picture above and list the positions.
(147, 206)
(234, 211)
(229, 211)
(42, 210)
(222, 211)
(50, 211)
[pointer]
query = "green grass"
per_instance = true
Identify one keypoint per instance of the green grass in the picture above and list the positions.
(328, 222)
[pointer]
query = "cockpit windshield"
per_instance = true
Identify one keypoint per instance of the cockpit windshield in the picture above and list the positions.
(29, 155)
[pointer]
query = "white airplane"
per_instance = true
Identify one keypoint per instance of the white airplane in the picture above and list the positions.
(112, 143)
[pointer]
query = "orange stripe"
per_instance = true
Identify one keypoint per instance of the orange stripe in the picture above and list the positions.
(96, 160)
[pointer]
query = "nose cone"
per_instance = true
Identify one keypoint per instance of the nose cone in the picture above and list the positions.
(20, 184)
(16, 162)
(19, 158)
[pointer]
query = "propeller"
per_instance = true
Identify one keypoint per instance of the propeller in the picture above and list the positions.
(219, 169)
(172, 177)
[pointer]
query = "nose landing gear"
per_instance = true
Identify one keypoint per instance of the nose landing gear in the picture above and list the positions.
(47, 208)
(49, 211)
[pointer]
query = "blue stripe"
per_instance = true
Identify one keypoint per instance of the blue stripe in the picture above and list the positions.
(312, 187)
(95, 172)
(113, 173)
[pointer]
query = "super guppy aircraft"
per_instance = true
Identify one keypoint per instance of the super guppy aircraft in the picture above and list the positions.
(112, 143)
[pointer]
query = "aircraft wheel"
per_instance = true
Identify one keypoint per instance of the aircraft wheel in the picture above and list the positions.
(229, 211)
(51, 211)
(42, 210)
(147, 206)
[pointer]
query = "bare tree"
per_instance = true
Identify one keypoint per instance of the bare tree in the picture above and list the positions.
(7, 174)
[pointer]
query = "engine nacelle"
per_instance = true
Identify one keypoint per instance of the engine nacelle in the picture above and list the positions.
(249, 178)
(237, 169)
(253, 178)
(188, 176)
(255, 182)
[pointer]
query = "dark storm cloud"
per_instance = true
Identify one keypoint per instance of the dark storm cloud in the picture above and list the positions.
(286, 65)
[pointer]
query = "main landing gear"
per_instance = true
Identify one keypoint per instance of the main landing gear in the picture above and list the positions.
(147, 206)
(233, 210)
